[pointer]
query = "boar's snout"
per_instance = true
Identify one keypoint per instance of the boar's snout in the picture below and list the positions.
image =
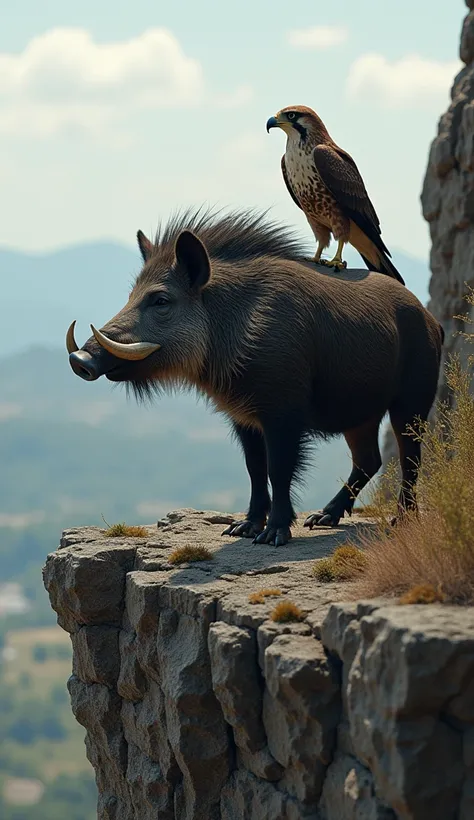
(84, 365)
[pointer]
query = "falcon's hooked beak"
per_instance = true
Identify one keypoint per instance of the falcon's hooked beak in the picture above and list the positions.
(281, 121)
(272, 123)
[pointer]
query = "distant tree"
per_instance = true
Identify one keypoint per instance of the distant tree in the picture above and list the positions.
(52, 728)
(6, 700)
(59, 695)
(40, 653)
(23, 730)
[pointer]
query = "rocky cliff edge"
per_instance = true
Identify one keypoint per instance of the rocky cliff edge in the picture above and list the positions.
(198, 706)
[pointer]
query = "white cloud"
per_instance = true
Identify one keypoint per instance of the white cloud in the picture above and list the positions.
(318, 37)
(63, 80)
(241, 96)
(405, 83)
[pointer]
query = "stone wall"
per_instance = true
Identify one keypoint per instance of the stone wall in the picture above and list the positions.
(198, 706)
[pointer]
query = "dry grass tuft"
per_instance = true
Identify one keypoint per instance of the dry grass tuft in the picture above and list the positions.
(434, 549)
(423, 594)
(183, 555)
(123, 530)
(259, 597)
(346, 563)
(366, 510)
(323, 570)
(286, 612)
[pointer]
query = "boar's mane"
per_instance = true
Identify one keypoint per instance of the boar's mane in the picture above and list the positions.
(230, 237)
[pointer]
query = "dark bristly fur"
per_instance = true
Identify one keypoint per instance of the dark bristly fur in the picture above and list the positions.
(234, 236)
(286, 350)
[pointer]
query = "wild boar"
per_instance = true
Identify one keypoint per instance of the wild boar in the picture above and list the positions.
(230, 306)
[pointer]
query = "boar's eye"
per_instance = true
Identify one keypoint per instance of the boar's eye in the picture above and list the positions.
(159, 299)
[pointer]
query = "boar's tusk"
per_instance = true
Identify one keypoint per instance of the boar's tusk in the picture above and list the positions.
(133, 352)
(70, 340)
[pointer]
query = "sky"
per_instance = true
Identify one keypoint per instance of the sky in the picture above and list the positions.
(114, 114)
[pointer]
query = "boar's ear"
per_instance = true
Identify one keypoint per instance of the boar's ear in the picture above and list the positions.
(146, 247)
(191, 255)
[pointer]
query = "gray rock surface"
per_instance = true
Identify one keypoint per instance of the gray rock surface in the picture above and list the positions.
(198, 706)
(447, 200)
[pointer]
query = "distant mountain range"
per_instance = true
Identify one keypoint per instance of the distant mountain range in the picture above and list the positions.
(42, 293)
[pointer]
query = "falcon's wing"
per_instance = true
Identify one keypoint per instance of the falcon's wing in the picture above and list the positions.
(341, 176)
(285, 177)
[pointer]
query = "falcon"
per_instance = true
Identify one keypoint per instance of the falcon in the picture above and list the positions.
(324, 181)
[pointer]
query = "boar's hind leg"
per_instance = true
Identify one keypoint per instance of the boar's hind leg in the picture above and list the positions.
(253, 445)
(366, 461)
(410, 458)
(284, 439)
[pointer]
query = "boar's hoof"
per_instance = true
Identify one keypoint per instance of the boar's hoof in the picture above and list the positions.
(322, 519)
(276, 536)
(245, 529)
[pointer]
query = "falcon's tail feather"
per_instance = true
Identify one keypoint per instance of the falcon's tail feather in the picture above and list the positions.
(368, 264)
(385, 266)
(375, 255)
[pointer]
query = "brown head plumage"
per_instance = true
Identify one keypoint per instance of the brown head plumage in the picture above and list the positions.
(301, 122)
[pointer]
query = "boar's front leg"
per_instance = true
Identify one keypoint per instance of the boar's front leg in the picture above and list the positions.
(253, 445)
(283, 439)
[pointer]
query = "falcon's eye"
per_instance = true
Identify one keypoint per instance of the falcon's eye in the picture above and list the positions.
(291, 115)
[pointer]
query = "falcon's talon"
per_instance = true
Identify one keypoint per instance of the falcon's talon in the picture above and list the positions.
(338, 264)
(334, 264)
(325, 262)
